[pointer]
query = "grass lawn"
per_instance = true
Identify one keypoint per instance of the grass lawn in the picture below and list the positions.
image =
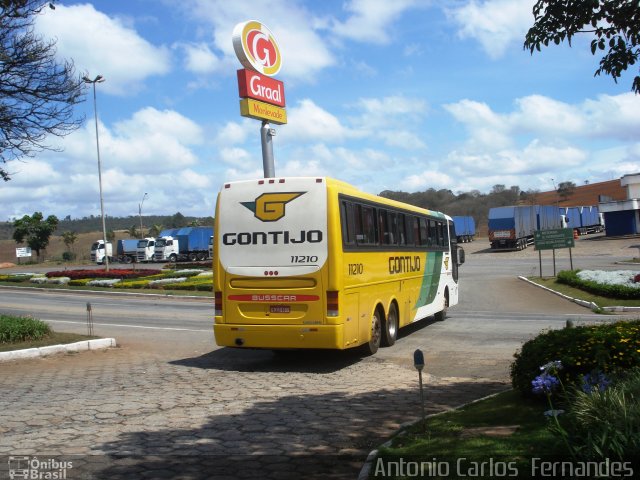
(503, 428)
(55, 338)
(550, 282)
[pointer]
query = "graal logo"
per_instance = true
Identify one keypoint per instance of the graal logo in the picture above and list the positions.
(269, 207)
(32, 468)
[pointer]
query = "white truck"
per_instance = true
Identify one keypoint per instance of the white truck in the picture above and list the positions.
(98, 252)
(145, 250)
(166, 249)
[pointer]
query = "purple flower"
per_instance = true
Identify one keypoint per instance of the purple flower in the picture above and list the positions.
(595, 381)
(545, 383)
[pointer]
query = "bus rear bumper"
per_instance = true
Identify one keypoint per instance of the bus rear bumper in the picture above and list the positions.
(279, 336)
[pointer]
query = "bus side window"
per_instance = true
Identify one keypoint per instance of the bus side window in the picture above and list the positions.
(433, 234)
(444, 240)
(392, 218)
(369, 226)
(402, 237)
(416, 231)
(348, 223)
(424, 237)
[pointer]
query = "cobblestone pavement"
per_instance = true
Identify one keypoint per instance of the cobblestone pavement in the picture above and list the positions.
(126, 413)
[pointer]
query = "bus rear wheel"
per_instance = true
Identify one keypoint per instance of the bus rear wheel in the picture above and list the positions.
(376, 334)
(390, 327)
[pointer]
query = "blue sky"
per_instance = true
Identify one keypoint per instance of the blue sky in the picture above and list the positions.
(386, 95)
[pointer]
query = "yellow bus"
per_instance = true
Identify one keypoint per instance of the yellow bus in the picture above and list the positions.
(313, 262)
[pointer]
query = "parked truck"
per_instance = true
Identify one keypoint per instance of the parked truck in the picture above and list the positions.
(98, 252)
(183, 244)
(145, 249)
(584, 219)
(126, 250)
(549, 217)
(465, 228)
(512, 227)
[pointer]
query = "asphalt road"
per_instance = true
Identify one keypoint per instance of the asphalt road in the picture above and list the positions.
(168, 403)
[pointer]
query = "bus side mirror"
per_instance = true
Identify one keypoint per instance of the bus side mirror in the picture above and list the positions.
(460, 256)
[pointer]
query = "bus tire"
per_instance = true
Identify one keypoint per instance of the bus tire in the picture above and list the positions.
(442, 314)
(371, 347)
(390, 330)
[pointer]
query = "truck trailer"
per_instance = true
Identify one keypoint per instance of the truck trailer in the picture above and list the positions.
(126, 250)
(465, 227)
(183, 244)
(512, 227)
(584, 219)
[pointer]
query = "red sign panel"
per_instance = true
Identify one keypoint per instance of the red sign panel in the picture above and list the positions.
(260, 87)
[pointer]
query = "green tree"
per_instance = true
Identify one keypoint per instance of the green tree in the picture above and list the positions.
(37, 92)
(35, 230)
(155, 230)
(69, 238)
(177, 220)
(615, 25)
(566, 189)
(133, 232)
(111, 236)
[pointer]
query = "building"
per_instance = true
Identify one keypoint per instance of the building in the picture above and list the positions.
(622, 217)
(589, 194)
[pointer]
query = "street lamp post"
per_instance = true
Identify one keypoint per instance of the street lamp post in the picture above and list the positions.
(99, 79)
(140, 214)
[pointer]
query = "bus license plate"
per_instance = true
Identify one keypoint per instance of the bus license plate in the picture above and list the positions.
(279, 309)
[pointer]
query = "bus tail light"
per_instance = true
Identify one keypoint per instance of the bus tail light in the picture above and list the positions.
(218, 304)
(332, 304)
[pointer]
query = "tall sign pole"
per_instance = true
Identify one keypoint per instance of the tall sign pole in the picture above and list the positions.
(261, 96)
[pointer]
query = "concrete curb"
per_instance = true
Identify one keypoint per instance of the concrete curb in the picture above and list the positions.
(97, 344)
(590, 305)
(365, 471)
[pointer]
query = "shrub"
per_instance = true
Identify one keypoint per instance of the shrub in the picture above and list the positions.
(605, 423)
(570, 277)
(610, 348)
(68, 256)
(20, 329)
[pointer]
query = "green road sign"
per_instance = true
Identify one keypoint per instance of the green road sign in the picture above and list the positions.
(553, 239)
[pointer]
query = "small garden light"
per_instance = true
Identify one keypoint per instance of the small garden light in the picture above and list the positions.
(418, 362)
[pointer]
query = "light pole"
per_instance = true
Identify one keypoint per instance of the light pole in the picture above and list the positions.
(99, 79)
(140, 214)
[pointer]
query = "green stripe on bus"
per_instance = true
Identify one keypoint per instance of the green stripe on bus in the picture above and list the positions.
(430, 280)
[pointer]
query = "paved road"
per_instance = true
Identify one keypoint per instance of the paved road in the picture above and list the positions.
(168, 404)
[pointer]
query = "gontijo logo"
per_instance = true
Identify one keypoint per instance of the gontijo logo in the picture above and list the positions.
(269, 207)
(256, 48)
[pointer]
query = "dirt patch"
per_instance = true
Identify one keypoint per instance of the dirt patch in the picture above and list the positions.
(7, 265)
(502, 431)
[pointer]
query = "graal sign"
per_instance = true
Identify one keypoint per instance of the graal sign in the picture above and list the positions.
(259, 87)
(256, 48)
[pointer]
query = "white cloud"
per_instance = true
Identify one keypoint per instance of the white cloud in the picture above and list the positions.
(537, 113)
(487, 128)
(496, 24)
(102, 45)
(426, 179)
(308, 121)
(235, 156)
(616, 116)
(199, 58)
(369, 20)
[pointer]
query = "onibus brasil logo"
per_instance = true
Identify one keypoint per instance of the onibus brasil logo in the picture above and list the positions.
(270, 207)
(25, 467)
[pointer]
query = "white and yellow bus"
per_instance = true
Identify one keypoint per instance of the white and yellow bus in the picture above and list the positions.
(310, 262)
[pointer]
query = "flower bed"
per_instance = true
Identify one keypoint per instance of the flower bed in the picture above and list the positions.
(616, 284)
(115, 273)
